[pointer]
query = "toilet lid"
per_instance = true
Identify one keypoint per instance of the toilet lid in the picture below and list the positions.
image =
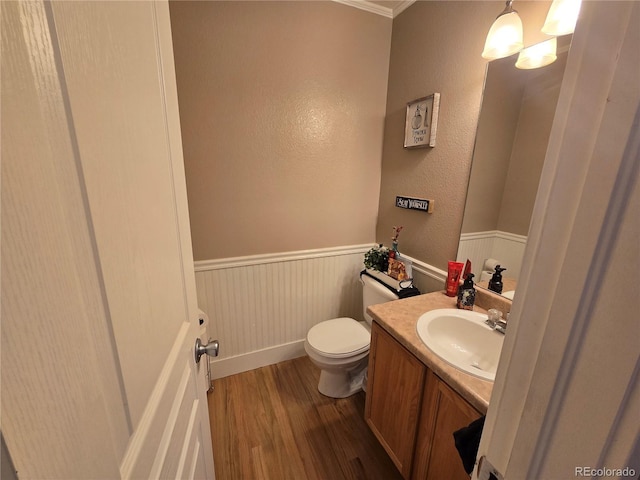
(339, 337)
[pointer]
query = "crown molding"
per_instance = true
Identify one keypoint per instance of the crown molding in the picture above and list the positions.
(378, 9)
(402, 7)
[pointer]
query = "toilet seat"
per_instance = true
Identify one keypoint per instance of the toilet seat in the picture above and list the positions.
(339, 338)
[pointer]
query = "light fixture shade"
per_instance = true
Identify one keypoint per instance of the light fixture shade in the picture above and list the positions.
(562, 17)
(504, 38)
(538, 55)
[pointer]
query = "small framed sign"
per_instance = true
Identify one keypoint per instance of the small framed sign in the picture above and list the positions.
(422, 122)
(421, 204)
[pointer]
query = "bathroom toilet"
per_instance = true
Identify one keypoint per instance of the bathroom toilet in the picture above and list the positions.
(340, 346)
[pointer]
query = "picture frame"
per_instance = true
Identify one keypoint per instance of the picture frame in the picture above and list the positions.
(421, 124)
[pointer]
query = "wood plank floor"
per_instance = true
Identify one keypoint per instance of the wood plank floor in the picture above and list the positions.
(272, 423)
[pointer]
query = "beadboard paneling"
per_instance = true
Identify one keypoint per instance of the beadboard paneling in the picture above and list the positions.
(261, 307)
(260, 303)
(503, 246)
(511, 248)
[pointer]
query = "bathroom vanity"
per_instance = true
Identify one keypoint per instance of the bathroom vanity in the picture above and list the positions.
(415, 400)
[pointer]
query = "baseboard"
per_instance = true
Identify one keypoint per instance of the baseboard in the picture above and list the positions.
(259, 358)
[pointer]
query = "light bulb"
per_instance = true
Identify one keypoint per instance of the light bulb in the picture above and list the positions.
(504, 38)
(538, 55)
(562, 17)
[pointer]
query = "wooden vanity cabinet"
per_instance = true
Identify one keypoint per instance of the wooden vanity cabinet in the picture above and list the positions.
(413, 413)
(443, 412)
(394, 395)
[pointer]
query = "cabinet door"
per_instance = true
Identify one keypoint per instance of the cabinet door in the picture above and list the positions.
(394, 395)
(443, 412)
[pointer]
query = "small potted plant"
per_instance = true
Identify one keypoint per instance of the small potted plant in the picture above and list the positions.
(377, 258)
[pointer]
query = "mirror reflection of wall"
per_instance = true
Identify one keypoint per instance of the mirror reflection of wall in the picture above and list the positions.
(515, 121)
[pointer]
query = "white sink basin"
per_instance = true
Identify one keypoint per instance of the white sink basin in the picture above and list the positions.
(462, 339)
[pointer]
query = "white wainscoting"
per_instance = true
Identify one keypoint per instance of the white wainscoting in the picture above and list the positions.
(505, 247)
(261, 307)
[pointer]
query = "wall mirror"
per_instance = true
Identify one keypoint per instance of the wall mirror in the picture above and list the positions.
(515, 121)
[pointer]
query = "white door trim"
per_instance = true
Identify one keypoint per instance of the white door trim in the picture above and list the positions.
(586, 179)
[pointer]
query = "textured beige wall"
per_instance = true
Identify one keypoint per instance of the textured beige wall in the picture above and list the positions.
(436, 47)
(282, 112)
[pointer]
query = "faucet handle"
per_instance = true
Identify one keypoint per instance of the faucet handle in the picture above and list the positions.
(493, 317)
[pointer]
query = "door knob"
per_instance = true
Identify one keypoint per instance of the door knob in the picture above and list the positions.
(210, 349)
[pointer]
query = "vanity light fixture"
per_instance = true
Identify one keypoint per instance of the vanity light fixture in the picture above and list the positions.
(505, 36)
(562, 17)
(538, 55)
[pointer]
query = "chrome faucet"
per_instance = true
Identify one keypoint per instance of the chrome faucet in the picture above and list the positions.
(495, 321)
(501, 326)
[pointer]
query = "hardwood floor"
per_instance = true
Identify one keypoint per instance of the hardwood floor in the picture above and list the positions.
(272, 423)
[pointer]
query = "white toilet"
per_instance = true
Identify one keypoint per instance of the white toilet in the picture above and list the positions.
(340, 346)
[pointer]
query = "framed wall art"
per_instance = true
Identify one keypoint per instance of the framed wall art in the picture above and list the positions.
(422, 122)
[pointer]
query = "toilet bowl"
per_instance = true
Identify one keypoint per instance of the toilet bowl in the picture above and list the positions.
(340, 346)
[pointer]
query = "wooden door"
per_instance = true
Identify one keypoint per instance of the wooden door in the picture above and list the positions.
(394, 395)
(99, 314)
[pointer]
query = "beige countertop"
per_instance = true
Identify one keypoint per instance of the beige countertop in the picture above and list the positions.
(400, 318)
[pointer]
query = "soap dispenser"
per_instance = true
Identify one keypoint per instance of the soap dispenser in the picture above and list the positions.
(466, 294)
(495, 284)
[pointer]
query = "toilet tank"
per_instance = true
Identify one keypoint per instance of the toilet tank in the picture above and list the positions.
(374, 293)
